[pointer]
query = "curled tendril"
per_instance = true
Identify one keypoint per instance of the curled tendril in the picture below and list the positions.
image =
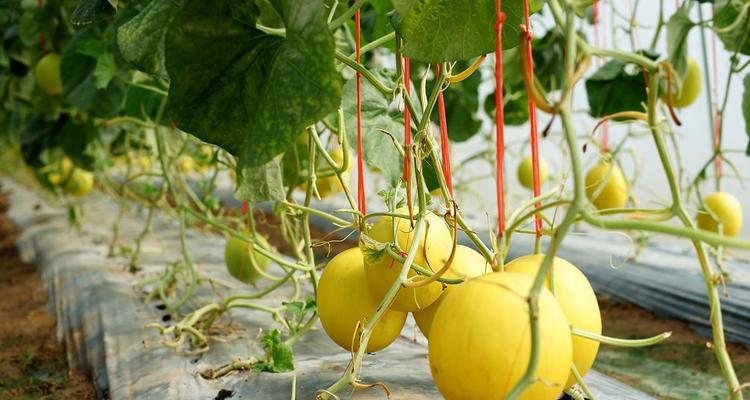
(670, 102)
(468, 71)
(650, 341)
(629, 115)
(388, 395)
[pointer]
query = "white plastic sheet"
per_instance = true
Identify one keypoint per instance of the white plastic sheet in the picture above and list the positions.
(101, 317)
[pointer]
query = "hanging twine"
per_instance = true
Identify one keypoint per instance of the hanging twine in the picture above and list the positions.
(499, 121)
(532, 117)
(361, 203)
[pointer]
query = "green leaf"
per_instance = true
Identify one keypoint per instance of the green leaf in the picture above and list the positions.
(373, 251)
(377, 116)
(548, 64)
(37, 136)
(746, 108)
(615, 87)
(105, 70)
(266, 14)
(732, 25)
(280, 357)
(301, 308)
(246, 91)
(260, 183)
(89, 43)
(28, 28)
(78, 68)
(395, 196)
(547, 53)
(9, 12)
(141, 40)
(294, 163)
(145, 189)
(512, 71)
(90, 11)
(430, 175)
(375, 22)
(79, 141)
(448, 30)
(678, 28)
(516, 109)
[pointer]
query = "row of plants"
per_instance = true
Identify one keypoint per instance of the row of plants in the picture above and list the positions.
(159, 103)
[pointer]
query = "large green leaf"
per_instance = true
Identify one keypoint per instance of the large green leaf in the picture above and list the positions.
(141, 40)
(246, 91)
(732, 25)
(10, 10)
(83, 82)
(378, 116)
(84, 142)
(38, 135)
(678, 28)
(105, 70)
(90, 11)
(28, 28)
(615, 87)
(449, 30)
(80, 140)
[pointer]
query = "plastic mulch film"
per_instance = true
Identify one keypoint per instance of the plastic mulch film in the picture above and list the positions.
(101, 317)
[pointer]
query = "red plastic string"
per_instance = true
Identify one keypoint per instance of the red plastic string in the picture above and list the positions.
(245, 210)
(407, 133)
(595, 18)
(717, 112)
(604, 137)
(445, 150)
(532, 119)
(499, 121)
(361, 204)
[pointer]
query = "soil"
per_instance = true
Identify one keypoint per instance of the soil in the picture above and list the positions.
(681, 367)
(32, 362)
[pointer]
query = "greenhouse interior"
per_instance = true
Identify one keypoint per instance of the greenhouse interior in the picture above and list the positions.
(375, 199)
